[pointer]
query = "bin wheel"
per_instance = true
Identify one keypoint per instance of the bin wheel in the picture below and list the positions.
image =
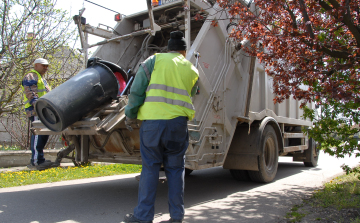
(268, 159)
(312, 154)
(188, 172)
(240, 175)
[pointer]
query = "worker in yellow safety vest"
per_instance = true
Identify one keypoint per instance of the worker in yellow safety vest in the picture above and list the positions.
(161, 97)
(35, 86)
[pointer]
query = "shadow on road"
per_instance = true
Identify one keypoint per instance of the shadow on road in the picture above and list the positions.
(235, 201)
(211, 195)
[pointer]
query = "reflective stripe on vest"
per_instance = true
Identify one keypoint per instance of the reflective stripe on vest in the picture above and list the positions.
(41, 90)
(168, 89)
(168, 93)
(169, 101)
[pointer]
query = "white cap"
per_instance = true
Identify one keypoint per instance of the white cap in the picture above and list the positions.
(41, 61)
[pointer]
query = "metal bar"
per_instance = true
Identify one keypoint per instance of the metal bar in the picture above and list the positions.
(282, 126)
(44, 131)
(74, 139)
(81, 131)
(86, 122)
(251, 78)
(197, 56)
(151, 14)
(293, 135)
(84, 148)
(294, 148)
(127, 86)
(83, 38)
(187, 25)
(98, 32)
(85, 49)
(28, 135)
(191, 125)
(138, 33)
(119, 159)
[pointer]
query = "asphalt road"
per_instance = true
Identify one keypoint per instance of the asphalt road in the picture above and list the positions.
(211, 196)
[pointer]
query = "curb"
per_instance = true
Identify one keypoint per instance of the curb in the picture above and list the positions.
(22, 157)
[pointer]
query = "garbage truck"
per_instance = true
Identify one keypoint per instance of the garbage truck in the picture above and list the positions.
(237, 126)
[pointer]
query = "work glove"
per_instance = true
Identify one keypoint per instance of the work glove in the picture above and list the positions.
(129, 122)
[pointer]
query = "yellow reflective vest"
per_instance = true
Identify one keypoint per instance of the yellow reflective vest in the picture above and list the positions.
(41, 90)
(169, 90)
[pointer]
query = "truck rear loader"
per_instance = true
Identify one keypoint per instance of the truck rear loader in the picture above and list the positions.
(236, 125)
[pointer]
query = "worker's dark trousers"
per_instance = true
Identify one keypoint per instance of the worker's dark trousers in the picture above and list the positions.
(37, 144)
(162, 141)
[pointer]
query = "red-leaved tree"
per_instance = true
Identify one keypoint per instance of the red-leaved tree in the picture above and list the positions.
(310, 43)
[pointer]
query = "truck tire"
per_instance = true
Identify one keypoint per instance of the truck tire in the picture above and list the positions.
(268, 159)
(311, 154)
(240, 175)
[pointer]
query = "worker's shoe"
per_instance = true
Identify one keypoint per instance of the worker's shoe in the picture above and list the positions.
(130, 218)
(31, 166)
(175, 221)
(42, 166)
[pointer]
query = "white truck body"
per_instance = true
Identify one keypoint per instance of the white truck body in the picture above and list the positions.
(236, 125)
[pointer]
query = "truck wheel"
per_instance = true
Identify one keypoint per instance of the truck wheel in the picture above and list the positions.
(188, 172)
(268, 159)
(240, 175)
(312, 154)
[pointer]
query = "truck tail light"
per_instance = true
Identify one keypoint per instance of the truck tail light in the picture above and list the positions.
(155, 2)
(118, 17)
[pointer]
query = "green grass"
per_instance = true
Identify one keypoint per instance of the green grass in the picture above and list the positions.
(294, 215)
(21, 178)
(9, 148)
(339, 193)
(342, 192)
